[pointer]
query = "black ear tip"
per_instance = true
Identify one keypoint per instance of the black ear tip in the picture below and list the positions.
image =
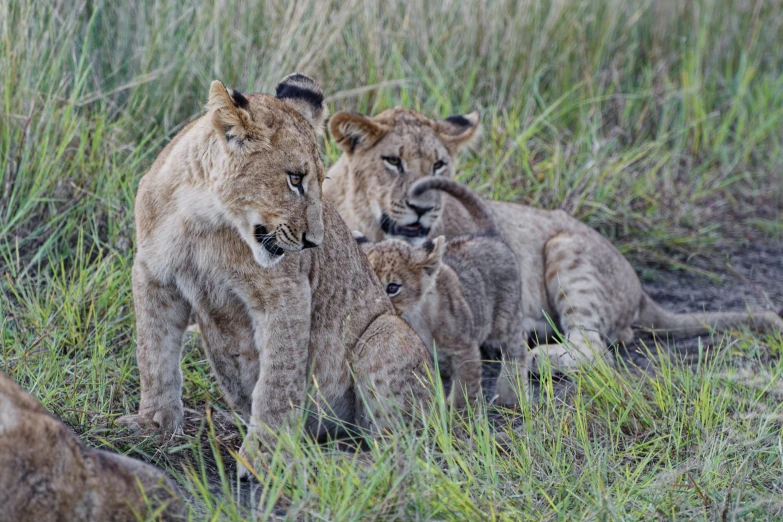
(459, 120)
(359, 237)
(238, 98)
(298, 85)
(428, 245)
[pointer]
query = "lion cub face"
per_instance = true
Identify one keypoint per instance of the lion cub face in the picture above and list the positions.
(407, 272)
(389, 152)
(269, 177)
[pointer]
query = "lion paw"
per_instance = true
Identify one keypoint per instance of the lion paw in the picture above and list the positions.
(165, 419)
(506, 394)
(255, 458)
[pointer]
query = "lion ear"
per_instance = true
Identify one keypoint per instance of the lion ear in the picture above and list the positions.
(359, 237)
(230, 116)
(456, 131)
(364, 243)
(303, 94)
(431, 255)
(351, 131)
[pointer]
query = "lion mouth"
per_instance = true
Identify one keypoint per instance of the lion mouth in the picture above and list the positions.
(391, 227)
(267, 240)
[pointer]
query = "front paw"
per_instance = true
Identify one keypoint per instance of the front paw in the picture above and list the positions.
(512, 384)
(506, 394)
(253, 461)
(164, 419)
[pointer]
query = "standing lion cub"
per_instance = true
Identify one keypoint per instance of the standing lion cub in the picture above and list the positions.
(47, 474)
(459, 294)
(230, 225)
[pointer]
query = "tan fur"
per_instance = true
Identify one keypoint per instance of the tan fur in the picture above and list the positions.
(270, 318)
(46, 473)
(365, 187)
(459, 295)
(571, 273)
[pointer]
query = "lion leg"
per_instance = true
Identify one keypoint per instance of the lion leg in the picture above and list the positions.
(583, 341)
(161, 318)
(594, 292)
(390, 366)
(233, 358)
(282, 338)
(514, 372)
(580, 349)
(465, 365)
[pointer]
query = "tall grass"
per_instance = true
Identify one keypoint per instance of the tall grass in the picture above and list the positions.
(658, 122)
(638, 116)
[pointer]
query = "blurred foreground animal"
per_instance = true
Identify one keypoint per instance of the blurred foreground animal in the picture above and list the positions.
(46, 473)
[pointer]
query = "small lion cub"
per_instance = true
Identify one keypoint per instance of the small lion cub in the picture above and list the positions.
(459, 294)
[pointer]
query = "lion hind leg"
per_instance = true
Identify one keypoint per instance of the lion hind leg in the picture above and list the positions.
(594, 293)
(392, 371)
(579, 350)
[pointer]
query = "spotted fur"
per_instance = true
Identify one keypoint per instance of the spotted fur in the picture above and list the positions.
(225, 231)
(459, 295)
(47, 474)
(572, 274)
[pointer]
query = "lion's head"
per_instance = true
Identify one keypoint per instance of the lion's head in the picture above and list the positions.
(406, 272)
(385, 154)
(269, 172)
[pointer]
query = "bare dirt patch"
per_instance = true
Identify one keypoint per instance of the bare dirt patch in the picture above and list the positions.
(751, 279)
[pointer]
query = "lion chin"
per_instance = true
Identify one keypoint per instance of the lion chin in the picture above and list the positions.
(264, 258)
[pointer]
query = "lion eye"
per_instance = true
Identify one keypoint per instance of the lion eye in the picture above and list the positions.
(438, 165)
(295, 180)
(393, 289)
(393, 161)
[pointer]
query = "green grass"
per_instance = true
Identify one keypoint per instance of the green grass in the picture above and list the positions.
(658, 123)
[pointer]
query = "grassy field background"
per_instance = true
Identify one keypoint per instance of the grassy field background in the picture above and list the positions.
(660, 123)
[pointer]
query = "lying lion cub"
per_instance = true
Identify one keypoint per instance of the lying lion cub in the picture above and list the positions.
(46, 473)
(227, 224)
(571, 273)
(460, 294)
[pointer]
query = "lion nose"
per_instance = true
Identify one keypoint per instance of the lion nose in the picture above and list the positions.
(306, 243)
(420, 211)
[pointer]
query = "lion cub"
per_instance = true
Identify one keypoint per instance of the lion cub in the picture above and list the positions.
(572, 274)
(230, 225)
(459, 294)
(46, 473)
